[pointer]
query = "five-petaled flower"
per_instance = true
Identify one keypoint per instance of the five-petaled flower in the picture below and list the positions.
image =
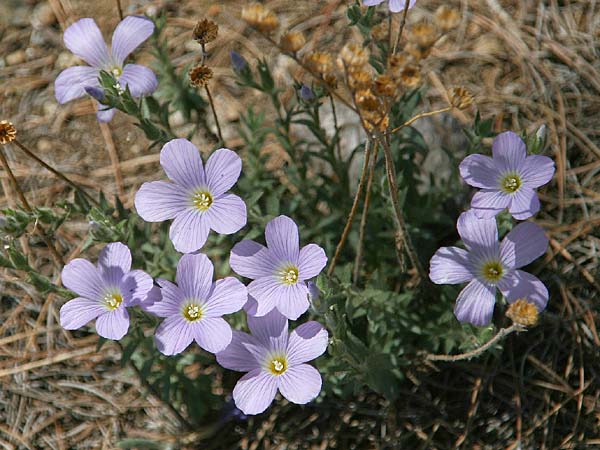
(394, 5)
(488, 264)
(508, 179)
(197, 199)
(105, 291)
(275, 360)
(280, 270)
(193, 307)
(85, 40)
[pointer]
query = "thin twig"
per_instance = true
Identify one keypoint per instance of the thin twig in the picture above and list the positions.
(214, 111)
(114, 159)
(336, 127)
(120, 9)
(404, 14)
(363, 218)
(359, 189)
(55, 171)
(38, 227)
(420, 116)
(478, 351)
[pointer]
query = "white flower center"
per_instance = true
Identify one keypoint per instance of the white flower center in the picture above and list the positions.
(116, 71)
(289, 274)
(112, 300)
(192, 312)
(278, 365)
(510, 183)
(202, 200)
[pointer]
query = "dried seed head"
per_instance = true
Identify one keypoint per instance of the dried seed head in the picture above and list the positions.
(461, 98)
(353, 56)
(330, 80)
(384, 85)
(8, 132)
(447, 18)
(410, 76)
(366, 101)
(359, 79)
(397, 62)
(417, 53)
(523, 313)
(205, 31)
(199, 75)
(380, 32)
(260, 17)
(292, 41)
(375, 121)
(320, 62)
(423, 34)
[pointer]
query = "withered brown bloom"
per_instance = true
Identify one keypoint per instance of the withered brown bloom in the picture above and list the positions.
(461, 98)
(410, 76)
(319, 62)
(292, 41)
(200, 75)
(261, 18)
(8, 132)
(423, 34)
(384, 85)
(366, 101)
(353, 56)
(359, 79)
(523, 313)
(205, 31)
(446, 18)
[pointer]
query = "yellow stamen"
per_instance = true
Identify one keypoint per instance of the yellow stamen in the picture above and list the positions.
(113, 301)
(202, 200)
(192, 312)
(289, 275)
(278, 365)
(492, 271)
(511, 183)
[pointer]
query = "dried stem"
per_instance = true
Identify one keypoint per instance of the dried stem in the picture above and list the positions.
(214, 111)
(114, 158)
(478, 351)
(402, 238)
(40, 230)
(336, 127)
(119, 9)
(402, 24)
(359, 189)
(420, 116)
(55, 171)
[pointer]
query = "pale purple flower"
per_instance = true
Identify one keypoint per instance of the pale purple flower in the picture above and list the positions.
(85, 40)
(197, 199)
(508, 179)
(488, 264)
(274, 360)
(306, 93)
(280, 270)
(105, 290)
(193, 308)
(238, 62)
(394, 5)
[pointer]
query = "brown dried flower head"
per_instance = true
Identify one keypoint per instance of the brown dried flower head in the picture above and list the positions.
(380, 32)
(416, 52)
(353, 56)
(397, 62)
(292, 41)
(260, 17)
(447, 18)
(523, 313)
(384, 85)
(320, 62)
(423, 34)
(374, 121)
(205, 31)
(461, 98)
(359, 79)
(366, 101)
(200, 75)
(330, 80)
(8, 132)
(410, 76)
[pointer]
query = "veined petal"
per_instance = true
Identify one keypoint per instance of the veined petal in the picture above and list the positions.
(129, 34)
(77, 312)
(222, 170)
(173, 335)
(236, 356)
(182, 163)
(523, 244)
(104, 114)
(312, 260)
(114, 262)
(84, 39)
(398, 5)
(479, 171)
(282, 239)
(113, 324)
(141, 80)
(227, 214)
(195, 276)
(487, 203)
(255, 391)
(524, 203)
(228, 296)
(71, 83)
(213, 334)
(300, 384)
(450, 265)
(307, 342)
(522, 285)
(135, 287)
(252, 260)
(475, 303)
(83, 278)
(159, 200)
(537, 170)
(479, 235)
(372, 2)
(169, 302)
(270, 329)
(189, 231)
(509, 151)
(290, 300)
(294, 300)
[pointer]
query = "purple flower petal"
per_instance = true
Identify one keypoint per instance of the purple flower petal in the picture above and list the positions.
(282, 239)
(104, 115)
(399, 5)
(114, 262)
(269, 329)
(154, 296)
(83, 278)
(171, 298)
(307, 342)
(487, 203)
(372, 2)
(189, 231)
(71, 83)
(135, 287)
(84, 38)
(479, 235)
(158, 200)
(524, 203)
(300, 384)
(294, 301)
(255, 391)
(182, 163)
(213, 334)
(475, 303)
(522, 245)
(269, 292)
(312, 261)
(236, 356)
(537, 170)
(222, 170)
(509, 151)
(194, 276)
(522, 285)
(77, 312)
(450, 265)
(140, 80)
(479, 171)
(113, 324)
(129, 34)
(252, 260)
(227, 214)
(173, 335)
(251, 306)
(228, 296)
